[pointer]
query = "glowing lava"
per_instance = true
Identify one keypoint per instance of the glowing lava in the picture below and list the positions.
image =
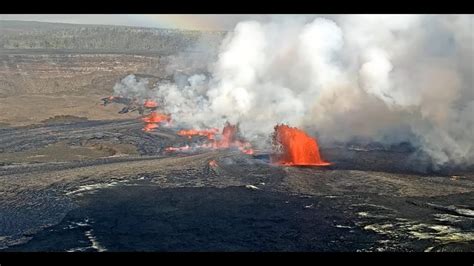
(152, 120)
(155, 117)
(227, 139)
(149, 127)
(184, 148)
(296, 147)
(150, 104)
(213, 163)
(209, 133)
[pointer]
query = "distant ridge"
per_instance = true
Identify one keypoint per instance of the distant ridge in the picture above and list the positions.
(28, 24)
(48, 36)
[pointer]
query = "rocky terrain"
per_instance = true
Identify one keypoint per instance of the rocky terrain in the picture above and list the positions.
(76, 176)
(45, 73)
(121, 191)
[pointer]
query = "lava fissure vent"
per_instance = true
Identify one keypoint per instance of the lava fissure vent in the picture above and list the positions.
(295, 148)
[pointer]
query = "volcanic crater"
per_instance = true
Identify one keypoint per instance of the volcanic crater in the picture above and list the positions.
(141, 197)
(77, 176)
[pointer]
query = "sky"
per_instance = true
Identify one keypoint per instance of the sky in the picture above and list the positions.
(192, 22)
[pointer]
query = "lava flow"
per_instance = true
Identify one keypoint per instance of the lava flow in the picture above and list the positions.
(227, 139)
(295, 148)
(152, 120)
(155, 117)
(116, 99)
(184, 148)
(149, 127)
(209, 133)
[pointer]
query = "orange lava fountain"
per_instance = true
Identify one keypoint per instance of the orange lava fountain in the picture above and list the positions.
(229, 139)
(296, 148)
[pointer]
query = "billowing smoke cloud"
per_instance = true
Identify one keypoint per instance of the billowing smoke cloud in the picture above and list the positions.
(387, 78)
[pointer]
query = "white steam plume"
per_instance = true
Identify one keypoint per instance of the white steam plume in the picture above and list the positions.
(387, 78)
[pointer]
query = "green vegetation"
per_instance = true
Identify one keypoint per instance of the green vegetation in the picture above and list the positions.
(39, 35)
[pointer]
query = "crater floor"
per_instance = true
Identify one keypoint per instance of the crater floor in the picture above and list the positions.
(124, 193)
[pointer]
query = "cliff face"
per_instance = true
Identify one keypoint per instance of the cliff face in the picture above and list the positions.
(71, 74)
(50, 69)
(46, 58)
(35, 87)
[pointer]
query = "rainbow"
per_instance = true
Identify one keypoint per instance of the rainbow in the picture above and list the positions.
(188, 22)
